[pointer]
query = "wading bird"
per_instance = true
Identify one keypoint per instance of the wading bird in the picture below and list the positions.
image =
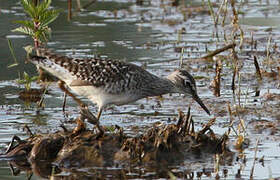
(107, 82)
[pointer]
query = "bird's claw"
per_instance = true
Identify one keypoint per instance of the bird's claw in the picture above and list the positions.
(86, 114)
(80, 126)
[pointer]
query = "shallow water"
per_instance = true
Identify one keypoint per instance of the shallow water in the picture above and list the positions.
(147, 35)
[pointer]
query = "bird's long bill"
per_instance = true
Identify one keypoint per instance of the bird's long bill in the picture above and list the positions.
(199, 101)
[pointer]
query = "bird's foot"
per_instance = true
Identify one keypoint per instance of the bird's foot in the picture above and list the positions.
(81, 126)
(86, 114)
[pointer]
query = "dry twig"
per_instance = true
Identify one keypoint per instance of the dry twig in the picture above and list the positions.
(217, 51)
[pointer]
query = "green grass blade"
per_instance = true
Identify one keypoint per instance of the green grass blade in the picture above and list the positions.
(13, 54)
(211, 11)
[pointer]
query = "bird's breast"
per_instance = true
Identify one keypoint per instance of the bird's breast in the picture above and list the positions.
(98, 96)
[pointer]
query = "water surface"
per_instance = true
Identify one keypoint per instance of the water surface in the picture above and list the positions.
(148, 35)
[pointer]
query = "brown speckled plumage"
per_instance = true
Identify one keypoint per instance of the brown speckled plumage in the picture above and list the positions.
(113, 75)
(111, 81)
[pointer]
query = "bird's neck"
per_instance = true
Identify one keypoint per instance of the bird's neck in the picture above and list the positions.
(163, 86)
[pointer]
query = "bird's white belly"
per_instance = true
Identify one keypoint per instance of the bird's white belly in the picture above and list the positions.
(101, 98)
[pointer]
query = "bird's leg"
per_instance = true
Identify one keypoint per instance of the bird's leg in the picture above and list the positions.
(92, 119)
(99, 113)
(64, 102)
(101, 130)
(85, 113)
(80, 120)
(80, 125)
(61, 85)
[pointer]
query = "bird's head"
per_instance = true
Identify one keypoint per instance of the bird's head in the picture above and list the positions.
(185, 84)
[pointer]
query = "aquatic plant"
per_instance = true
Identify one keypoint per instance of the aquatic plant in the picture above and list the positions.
(27, 80)
(13, 54)
(40, 16)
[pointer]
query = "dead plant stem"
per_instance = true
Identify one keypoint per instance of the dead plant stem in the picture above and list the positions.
(252, 170)
(217, 51)
(268, 51)
(69, 10)
(181, 57)
(258, 71)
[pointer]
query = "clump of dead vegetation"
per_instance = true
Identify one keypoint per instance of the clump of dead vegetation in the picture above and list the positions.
(162, 144)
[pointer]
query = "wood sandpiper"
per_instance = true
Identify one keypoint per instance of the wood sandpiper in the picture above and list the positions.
(107, 82)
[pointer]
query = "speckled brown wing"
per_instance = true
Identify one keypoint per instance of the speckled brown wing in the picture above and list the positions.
(112, 75)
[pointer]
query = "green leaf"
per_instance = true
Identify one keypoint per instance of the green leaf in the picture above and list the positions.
(34, 78)
(24, 30)
(25, 76)
(20, 81)
(44, 6)
(29, 8)
(12, 65)
(43, 34)
(41, 16)
(28, 49)
(25, 23)
(48, 17)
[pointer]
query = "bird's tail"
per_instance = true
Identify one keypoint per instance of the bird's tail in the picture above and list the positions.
(52, 63)
(34, 55)
(35, 59)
